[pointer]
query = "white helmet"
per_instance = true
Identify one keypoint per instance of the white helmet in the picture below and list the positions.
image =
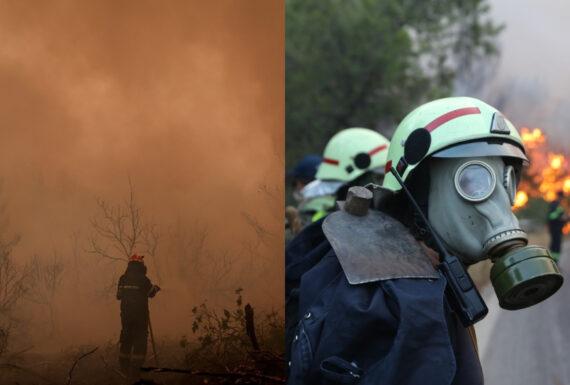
(351, 153)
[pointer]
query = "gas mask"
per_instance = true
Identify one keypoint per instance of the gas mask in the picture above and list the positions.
(470, 202)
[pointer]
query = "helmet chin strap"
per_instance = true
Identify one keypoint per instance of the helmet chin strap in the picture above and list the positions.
(437, 240)
(464, 297)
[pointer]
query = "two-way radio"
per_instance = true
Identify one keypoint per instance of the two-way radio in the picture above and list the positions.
(463, 296)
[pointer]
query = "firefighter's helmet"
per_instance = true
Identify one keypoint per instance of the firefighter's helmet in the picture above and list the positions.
(456, 127)
(352, 152)
(136, 258)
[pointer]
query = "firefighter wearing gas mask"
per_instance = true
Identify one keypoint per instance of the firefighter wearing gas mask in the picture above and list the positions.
(381, 295)
(471, 157)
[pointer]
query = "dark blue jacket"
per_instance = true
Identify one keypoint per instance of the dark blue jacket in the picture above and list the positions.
(392, 332)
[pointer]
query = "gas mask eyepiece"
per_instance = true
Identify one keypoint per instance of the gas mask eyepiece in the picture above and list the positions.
(475, 181)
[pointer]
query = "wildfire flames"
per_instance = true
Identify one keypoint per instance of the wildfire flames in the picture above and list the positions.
(548, 173)
(521, 199)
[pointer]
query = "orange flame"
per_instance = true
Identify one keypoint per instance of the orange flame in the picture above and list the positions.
(548, 173)
(556, 161)
(532, 138)
(521, 199)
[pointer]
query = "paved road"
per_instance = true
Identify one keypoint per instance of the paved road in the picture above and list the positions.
(530, 346)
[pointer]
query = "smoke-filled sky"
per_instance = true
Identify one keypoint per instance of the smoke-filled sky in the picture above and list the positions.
(531, 79)
(185, 98)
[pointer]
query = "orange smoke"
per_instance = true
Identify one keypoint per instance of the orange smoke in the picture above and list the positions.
(183, 98)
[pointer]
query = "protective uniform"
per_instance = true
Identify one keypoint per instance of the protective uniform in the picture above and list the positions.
(368, 299)
(397, 331)
(556, 221)
(134, 289)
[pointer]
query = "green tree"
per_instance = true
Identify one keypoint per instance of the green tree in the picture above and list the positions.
(368, 62)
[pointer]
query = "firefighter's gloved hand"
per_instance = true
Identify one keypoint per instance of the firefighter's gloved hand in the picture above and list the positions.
(153, 290)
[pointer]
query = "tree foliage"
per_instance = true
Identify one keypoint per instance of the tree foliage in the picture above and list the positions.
(368, 62)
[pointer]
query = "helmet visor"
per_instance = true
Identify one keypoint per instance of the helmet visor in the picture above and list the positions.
(483, 148)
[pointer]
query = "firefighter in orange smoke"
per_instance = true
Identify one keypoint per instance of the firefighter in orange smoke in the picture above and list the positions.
(134, 290)
(557, 218)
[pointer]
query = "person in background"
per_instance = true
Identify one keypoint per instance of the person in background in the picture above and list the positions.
(352, 157)
(134, 290)
(557, 218)
(302, 174)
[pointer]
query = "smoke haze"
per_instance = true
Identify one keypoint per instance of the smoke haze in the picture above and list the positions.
(530, 80)
(185, 98)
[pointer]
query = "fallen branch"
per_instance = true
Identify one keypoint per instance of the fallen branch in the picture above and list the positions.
(273, 379)
(70, 375)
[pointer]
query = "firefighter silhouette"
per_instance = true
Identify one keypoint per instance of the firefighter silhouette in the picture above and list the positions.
(134, 290)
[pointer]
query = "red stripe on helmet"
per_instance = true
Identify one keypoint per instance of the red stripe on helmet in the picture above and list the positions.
(450, 116)
(377, 149)
(334, 162)
(388, 167)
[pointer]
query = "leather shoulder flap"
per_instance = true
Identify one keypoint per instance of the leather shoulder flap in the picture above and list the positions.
(376, 247)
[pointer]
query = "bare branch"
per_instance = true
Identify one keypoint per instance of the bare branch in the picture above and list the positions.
(70, 375)
(96, 249)
(120, 230)
(47, 277)
(262, 232)
(123, 229)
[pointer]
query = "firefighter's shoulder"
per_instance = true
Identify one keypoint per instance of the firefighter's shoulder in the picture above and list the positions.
(372, 246)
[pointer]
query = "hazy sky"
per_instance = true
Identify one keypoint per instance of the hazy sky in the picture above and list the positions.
(532, 78)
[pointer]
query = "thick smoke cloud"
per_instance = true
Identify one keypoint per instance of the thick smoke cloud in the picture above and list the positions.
(530, 80)
(185, 98)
